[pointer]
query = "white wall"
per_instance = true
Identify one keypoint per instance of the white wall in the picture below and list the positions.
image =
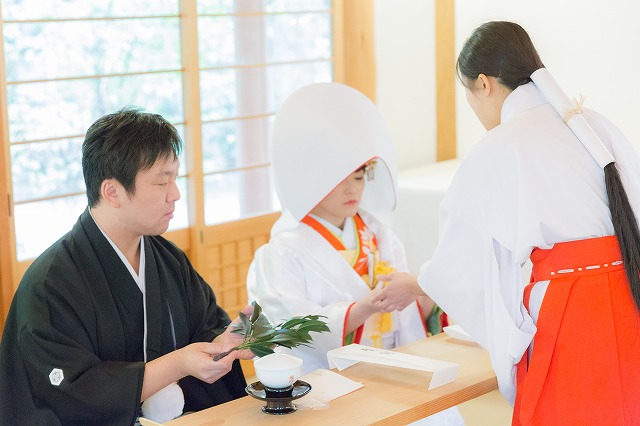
(405, 53)
(592, 48)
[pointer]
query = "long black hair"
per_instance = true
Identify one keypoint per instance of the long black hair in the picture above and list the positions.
(503, 50)
(625, 225)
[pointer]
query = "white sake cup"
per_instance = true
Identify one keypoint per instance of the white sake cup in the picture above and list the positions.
(278, 370)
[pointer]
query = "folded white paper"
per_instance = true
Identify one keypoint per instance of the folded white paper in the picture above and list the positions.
(457, 332)
(443, 372)
(326, 385)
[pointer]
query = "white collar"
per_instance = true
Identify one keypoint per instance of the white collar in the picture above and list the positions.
(137, 277)
(521, 99)
(346, 235)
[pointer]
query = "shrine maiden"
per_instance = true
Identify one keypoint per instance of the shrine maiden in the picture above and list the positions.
(534, 187)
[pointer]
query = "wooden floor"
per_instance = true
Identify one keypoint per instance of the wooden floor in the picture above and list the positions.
(488, 410)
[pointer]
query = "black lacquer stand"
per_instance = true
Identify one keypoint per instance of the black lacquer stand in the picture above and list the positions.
(278, 401)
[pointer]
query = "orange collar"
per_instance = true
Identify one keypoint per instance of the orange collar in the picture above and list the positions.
(361, 265)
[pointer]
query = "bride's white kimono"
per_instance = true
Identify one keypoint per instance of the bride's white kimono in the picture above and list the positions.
(321, 135)
(299, 273)
(528, 183)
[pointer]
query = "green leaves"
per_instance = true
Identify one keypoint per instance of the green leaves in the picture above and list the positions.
(260, 336)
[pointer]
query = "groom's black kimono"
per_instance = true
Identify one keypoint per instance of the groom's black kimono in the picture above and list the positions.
(79, 311)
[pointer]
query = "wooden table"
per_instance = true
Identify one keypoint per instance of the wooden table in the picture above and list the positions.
(390, 395)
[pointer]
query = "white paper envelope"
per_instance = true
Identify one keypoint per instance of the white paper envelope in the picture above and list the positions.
(443, 372)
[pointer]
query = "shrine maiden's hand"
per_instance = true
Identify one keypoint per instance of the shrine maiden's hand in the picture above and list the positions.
(401, 289)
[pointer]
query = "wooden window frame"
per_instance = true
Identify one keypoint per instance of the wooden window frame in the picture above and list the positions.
(193, 240)
(354, 64)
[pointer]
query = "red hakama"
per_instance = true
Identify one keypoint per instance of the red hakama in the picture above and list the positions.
(585, 365)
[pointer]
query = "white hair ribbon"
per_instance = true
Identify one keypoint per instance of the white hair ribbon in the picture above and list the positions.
(572, 115)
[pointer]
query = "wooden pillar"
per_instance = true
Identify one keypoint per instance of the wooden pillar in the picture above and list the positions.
(445, 81)
(8, 282)
(192, 129)
(358, 49)
(7, 234)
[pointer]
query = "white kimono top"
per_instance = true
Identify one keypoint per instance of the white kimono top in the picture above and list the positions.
(528, 183)
(299, 273)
